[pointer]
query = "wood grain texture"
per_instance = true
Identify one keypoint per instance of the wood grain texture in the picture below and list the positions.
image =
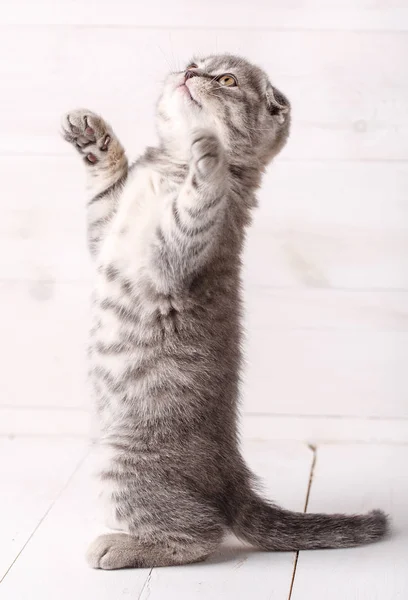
(44, 332)
(32, 477)
(326, 310)
(326, 372)
(43, 220)
(323, 429)
(348, 89)
(53, 564)
(368, 196)
(330, 257)
(295, 14)
(356, 479)
(48, 421)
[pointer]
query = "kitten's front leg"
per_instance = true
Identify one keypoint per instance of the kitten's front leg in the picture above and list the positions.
(106, 166)
(208, 162)
(190, 225)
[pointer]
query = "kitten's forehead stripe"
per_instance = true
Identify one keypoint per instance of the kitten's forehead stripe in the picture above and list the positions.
(247, 74)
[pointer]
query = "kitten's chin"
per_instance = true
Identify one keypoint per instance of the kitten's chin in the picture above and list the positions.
(186, 102)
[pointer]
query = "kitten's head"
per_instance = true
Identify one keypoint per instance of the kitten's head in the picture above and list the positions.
(228, 94)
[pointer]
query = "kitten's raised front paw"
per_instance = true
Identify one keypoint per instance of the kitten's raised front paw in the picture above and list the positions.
(88, 132)
(207, 153)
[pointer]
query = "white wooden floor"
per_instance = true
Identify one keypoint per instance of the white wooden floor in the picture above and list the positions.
(47, 519)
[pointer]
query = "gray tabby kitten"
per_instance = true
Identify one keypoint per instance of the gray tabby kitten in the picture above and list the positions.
(167, 236)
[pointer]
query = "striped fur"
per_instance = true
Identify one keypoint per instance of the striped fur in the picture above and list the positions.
(165, 349)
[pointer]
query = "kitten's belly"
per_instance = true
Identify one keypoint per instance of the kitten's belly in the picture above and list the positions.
(120, 315)
(128, 363)
(136, 353)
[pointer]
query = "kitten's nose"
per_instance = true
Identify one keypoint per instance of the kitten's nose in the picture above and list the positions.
(188, 74)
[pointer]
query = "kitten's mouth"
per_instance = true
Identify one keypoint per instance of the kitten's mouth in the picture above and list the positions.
(187, 92)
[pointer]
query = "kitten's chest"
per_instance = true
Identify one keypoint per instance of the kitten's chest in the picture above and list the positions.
(139, 209)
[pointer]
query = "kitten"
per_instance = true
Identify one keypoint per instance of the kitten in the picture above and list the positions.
(167, 236)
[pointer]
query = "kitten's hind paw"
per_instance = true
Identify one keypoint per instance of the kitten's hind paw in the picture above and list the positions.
(113, 551)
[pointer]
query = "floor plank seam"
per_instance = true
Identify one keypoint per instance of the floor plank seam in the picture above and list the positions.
(146, 586)
(326, 442)
(309, 487)
(312, 470)
(62, 490)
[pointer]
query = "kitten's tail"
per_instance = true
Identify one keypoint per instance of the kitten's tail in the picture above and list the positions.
(270, 527)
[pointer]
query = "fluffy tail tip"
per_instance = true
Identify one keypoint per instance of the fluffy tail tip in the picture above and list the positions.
(377, 525)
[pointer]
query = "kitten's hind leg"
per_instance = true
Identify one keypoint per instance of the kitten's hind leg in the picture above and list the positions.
(120, 550)
(106, 167)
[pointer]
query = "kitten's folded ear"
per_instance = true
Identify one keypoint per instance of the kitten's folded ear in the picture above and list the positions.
(277, 103)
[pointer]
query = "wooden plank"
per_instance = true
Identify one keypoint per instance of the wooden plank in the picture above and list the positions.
(53, 565)
(348, 89)
(331, 226)
(55, 421)
(371, 196)
(325, 310)
(43, 219)
(326, 353)
(32, 477)
(43, 216)
(336, 257)
(297, 14)
(356, 479)
(44, 327)
(325, 372)
(346, 229)
(231, 573)
(319, 429)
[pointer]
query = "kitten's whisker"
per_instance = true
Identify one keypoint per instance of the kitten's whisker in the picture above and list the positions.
(175, 61)
(214, 78)
(165, 57)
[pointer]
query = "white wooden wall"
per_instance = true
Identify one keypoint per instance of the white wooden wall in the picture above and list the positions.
(327, 260)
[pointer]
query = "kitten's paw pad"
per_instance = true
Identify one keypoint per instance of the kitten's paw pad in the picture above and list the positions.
(112, 551)
(88, 132)
(207, 152)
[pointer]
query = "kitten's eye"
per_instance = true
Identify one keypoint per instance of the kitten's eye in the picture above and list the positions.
(228, 80)
(192, 66)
